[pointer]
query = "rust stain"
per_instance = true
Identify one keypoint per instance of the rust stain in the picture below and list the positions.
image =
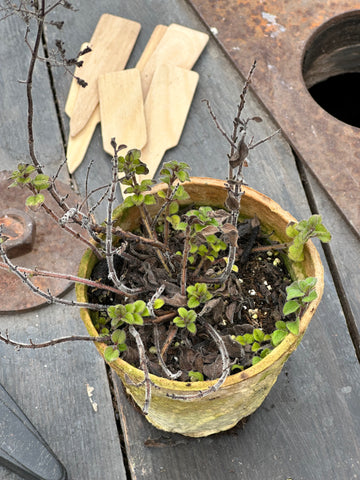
(276, 32)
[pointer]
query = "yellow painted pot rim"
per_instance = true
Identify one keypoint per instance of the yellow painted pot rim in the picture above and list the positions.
(286, 346)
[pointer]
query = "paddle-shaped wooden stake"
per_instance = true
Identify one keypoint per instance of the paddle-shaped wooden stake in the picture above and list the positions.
(180, 46)
(111, 43)
(122, 109)
(166, 108)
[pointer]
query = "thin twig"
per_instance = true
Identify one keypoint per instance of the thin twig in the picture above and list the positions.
(225, 372)
(144, 368)
(71, 278)
(160, 354)
(50, 343)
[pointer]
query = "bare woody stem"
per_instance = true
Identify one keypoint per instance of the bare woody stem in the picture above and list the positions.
(50, 343)
(144, 367)
(71, 278)
(184, 260)
(51, 299)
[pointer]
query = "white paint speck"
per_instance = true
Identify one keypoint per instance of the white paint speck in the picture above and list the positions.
(346, 389)
(214, 30)
(271, 19)
(90, 391)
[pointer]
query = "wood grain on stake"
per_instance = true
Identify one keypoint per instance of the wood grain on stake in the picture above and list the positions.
(166, 108)
(156, 36)
(180, 46)
(122, 109)
(110, 34)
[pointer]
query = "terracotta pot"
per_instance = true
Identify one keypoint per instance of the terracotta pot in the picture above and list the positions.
(244, 392)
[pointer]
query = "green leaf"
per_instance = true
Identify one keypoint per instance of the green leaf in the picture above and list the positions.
(119, 336)
(265, 352)
(130, 308)
(258, 335)
(159, 302)
(128, 202)
(322, 234)
(291, 230)
(240, 339)
(137, 319)
(41, 182)
(294, 291)
(179, 322)
(128, 318)
(161, 194)
(280, 325)
(237, 367)
(173, 208)
(138, 199)
(255, 347)
(307, 283)
(149, 199)
(290, 307)
(193, 302)
(110, 354)
(249, 339)
(256, 360)
(277, 337)
(196, 376)
(309, 298)
(35, 201)
(139, 306)
(296, 253)
(191, 327)
(314, 221)
(293, 327)
(182, 312)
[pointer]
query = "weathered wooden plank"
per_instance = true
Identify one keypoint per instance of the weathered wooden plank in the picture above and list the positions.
(308, 427)
(344, 247)
(14, 57)
(51, 385)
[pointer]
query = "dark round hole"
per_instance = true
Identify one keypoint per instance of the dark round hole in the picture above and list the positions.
(340, 96)
(331, 67)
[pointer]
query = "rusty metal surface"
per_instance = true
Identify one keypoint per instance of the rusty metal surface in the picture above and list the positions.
(19, 229)
(276, 34)
(53, 249)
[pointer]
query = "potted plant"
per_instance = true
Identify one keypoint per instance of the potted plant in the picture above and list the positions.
(195, 291)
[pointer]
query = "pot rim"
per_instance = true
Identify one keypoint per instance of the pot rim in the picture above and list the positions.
(285, 348)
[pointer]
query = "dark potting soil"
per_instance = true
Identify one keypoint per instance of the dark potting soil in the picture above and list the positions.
(251, 298)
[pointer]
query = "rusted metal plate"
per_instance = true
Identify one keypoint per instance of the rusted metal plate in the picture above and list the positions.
(52, 250)
(276, 33)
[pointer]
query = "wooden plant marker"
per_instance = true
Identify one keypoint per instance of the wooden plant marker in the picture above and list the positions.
(112, 43)
(153, 42)
(166, 108)
(180, 46)
(122, 109)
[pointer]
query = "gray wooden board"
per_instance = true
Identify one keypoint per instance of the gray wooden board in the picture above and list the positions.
(308, 427)
(51, 385)
(344, 246)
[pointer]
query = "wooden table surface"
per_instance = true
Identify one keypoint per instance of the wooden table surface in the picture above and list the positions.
(308, 428)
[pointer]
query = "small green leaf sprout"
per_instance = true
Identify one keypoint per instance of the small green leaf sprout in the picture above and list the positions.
(131, 313)
(26, 175)
(196, 376)
(259, 341)
(302, 232)
(112, 352)
(197, 294)
(186, 319)
(299, 294)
